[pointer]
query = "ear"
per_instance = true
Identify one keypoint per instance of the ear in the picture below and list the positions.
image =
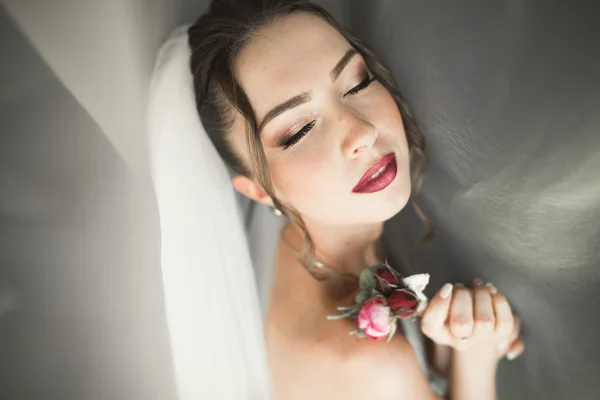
(251, 189)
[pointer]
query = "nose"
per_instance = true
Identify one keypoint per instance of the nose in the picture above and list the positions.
(360, 135)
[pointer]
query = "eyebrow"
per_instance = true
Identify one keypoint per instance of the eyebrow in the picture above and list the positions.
(306, 96)
(337, 70)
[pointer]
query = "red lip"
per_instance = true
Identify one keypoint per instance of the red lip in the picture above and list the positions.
(365, 185)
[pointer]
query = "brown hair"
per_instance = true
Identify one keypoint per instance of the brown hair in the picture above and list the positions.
(216, 39)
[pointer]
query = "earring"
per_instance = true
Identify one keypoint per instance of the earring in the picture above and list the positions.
(277, 212)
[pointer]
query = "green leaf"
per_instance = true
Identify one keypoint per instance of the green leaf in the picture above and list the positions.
(363, 296)
(366, 280)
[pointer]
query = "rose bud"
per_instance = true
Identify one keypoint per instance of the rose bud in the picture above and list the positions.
(375, 318)
(389, 277)
(403, 303)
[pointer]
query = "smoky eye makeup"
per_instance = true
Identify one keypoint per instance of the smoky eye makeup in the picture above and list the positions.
(364, 83)
(291, 139)
(365, 78)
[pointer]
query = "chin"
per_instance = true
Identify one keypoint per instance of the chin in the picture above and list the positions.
(396, 196)
(391, 200)
(395, 204)
(387, 203)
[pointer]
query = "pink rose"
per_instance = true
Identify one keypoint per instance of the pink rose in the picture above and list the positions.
(374, 318)
(403, 303)
(388, 276)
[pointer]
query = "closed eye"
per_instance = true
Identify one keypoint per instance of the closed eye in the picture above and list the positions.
(288, 142)
(361, 86)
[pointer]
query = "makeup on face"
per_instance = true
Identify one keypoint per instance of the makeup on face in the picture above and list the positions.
(379, 176)
(361, 82)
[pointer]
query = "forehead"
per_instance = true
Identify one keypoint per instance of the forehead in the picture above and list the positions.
(288, 57)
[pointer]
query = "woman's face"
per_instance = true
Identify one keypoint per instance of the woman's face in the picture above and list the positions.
(326, 128)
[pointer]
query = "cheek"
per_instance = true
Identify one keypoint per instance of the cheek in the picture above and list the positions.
(311, 181)
(299, 178)
(389, 118)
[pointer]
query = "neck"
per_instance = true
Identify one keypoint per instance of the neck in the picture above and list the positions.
(346, 249)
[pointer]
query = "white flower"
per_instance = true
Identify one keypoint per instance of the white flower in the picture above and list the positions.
(417, 283)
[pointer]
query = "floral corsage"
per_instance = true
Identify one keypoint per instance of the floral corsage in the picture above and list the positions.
(383, 298)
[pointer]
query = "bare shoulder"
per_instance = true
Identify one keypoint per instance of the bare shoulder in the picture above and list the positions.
(312, 357)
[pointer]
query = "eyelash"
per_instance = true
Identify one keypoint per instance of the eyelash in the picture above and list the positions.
(361, 86)
(292, 140)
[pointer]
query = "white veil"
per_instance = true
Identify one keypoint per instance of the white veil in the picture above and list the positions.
(212, 305)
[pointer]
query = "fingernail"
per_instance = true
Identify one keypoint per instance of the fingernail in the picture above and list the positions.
(478, 282)
(446, 291)
(459, 285)
(512, 356)
(492, 288)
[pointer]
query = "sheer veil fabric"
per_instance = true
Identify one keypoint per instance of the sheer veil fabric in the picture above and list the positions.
(211, 297)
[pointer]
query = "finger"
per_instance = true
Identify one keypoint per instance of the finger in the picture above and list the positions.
(461, 313)
(437, 312)
(516, 332)
(516, 349)
(483, 308)
(505, 345)
(503, 313)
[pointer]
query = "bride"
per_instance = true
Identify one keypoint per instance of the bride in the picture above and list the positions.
(314, 127)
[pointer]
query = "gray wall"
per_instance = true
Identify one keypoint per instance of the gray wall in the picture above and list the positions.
(87, 318)
(507, 94)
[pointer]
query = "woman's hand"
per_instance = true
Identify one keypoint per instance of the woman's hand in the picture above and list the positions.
(468, 319)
